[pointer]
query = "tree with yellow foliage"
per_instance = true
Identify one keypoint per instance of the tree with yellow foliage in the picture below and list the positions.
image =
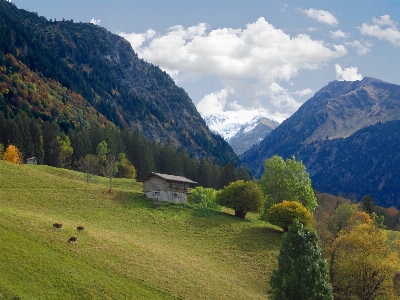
(284, 213)
(364, 266)
(13, 155)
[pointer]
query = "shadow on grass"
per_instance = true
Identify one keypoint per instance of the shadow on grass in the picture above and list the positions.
(258, 236)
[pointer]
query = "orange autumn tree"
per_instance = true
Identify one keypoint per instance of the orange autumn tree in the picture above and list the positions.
(13, 155)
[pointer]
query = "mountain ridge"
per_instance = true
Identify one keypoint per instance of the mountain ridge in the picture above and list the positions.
(104, 69)
(335, 115)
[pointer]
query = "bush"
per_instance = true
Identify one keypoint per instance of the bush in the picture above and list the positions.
(205, 197)
(283, 214)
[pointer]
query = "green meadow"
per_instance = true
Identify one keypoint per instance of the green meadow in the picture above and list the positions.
(128, 250)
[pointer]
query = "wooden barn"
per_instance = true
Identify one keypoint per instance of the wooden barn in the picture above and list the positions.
(167, 188)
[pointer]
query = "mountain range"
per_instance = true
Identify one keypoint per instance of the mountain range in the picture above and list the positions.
(347, 135)
(79, 75)
(241, 130)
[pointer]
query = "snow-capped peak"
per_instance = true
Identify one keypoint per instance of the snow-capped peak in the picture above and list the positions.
(229, 123)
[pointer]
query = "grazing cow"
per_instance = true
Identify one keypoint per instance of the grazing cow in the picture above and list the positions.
(57, 225)
(80, 228)
(73, 240)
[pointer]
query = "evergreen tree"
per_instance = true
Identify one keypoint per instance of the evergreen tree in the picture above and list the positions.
(302, 273)
(189, 165)
(37, 140)
(22, 137)
(50, 132)
(80, 142)
(168, 161)
(204, 173)
(243, 174)
(215, 177)
(367, 204)
(2, 128)
(228, 175)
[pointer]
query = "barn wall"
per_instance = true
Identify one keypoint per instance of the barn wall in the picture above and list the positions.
(155, 184)
(160, 189)
(167, 196)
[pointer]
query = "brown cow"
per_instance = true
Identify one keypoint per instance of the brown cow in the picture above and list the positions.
(73, 240)
(57, 225)
(80, 228)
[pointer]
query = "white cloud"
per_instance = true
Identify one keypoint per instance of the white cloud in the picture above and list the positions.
(137, 39)
(361, 47)
(339, 34)
(95, 22)
(214, 103)
(304, 92)
(347, 74)
(281, 99)
(248, 61)
(321, 16)
(390, 34)
(384, 21)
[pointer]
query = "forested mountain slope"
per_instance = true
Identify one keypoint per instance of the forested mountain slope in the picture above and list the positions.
(107, 73)
(346, 136)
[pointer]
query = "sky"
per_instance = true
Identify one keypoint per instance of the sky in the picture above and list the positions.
(245, 56)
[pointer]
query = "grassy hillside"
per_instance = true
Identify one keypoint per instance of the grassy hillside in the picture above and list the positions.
(128, 250)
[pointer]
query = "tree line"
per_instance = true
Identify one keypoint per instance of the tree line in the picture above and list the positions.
(52, 146)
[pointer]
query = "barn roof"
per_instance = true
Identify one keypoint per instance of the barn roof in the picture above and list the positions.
(168, 177)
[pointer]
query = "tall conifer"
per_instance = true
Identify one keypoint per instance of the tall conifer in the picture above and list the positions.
(302, 273)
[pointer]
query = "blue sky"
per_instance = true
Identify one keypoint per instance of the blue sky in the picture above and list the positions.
(246, 55)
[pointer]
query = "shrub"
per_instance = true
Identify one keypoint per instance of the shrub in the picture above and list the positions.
(205, 197)
(283, 214)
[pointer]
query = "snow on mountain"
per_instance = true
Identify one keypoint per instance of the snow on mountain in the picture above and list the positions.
(241, 129)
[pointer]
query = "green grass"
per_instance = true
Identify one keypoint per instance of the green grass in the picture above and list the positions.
(129, 250)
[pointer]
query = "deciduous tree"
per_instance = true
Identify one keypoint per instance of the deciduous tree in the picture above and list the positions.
(287, 180)
(111, 168)
(241, 196)
(283, 214)
(13, 155)
(343, 219)
(364, 267)
(89, 166)
(125, 167)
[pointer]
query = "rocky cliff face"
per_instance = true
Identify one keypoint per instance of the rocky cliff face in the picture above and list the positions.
(334, 132)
